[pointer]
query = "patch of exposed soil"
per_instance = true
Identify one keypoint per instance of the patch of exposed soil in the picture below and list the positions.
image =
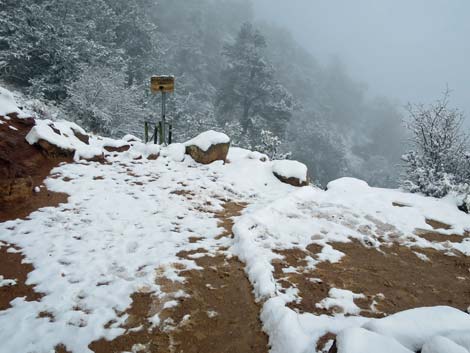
(440, 237)
(396, 272)
(11, 267)
(231, 209)
(219, 315)
(43, 198)
(437, 224)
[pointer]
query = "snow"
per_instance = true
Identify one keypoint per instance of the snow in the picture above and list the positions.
(7, 102)
(343, 299)
(105, 243)
(349, 209)
(414, 327)
(207, 139)
(176, 151)
(65, 140)
(460, 337)
(441, 344)
(112, 227)
(7, 282)
(290, 169)
(359, 340)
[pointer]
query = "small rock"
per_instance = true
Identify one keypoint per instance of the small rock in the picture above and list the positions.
(123, 148)
(82, 137)
(153, 157)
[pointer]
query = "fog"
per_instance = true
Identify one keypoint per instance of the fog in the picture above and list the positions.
(404, 50)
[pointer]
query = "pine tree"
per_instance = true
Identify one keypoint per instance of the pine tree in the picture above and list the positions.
(249, 91)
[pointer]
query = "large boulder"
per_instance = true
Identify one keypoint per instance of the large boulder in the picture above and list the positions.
(291, 172)
(208, 147)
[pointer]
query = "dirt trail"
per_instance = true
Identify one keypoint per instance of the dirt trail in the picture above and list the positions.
(218, 316)
(11, 267)
(393, 278)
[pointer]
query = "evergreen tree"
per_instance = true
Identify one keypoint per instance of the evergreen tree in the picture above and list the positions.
(249, 91)
(44, 42)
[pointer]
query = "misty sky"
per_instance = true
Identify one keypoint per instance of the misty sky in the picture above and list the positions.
(407, 50)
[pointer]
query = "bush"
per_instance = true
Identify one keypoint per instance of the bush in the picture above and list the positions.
(439, 162)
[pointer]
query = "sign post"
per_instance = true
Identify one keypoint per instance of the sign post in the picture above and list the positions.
(164, 84)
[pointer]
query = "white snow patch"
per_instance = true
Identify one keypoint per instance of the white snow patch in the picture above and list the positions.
(170, 304)
(175, 151)
(343, 299)
(212, 313)
(422, 256)
(7, 102)
(7, 282)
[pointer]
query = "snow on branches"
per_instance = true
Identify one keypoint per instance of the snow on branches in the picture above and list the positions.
(438, 162)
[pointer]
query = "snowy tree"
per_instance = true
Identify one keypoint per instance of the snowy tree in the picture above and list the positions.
(101, 101)
(438, 162)
(272, 146)
(44, 42)
(249, 91)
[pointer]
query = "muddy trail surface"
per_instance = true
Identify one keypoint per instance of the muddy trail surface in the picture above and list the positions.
(391, 278)
(216, 314)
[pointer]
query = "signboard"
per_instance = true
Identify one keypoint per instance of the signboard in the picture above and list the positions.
(162, 84)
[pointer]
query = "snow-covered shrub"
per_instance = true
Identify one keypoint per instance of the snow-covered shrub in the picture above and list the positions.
(100, 101)
(272, 146)
(438, 162)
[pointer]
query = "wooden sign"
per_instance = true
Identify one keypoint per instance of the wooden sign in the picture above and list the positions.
(162, 84)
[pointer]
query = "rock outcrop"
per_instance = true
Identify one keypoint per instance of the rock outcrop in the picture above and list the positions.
(208, 147)
(22, 166)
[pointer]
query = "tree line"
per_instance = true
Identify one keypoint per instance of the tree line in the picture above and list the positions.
(92, 60)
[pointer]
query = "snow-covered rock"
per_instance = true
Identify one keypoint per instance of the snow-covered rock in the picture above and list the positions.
(441, 344)
(359, 340)
(461, 337)
(175, 151)
(207, 139)
(208, 147)
(291, 172)
(7, 102)
(414, 327)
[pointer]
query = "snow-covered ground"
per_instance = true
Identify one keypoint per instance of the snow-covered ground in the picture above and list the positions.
(126, 218)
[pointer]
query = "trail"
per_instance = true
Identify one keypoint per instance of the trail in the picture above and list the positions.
(139, 260)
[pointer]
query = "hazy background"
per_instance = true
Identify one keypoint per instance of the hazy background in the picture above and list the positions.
(320, 81)
(406, 50)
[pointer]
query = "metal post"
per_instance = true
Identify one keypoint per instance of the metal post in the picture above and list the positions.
(163, 117)
(146, 132)
(170, 133)
(155, 135)
(160, 130)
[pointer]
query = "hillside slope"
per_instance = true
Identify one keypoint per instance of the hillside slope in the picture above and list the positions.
(153, 252)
